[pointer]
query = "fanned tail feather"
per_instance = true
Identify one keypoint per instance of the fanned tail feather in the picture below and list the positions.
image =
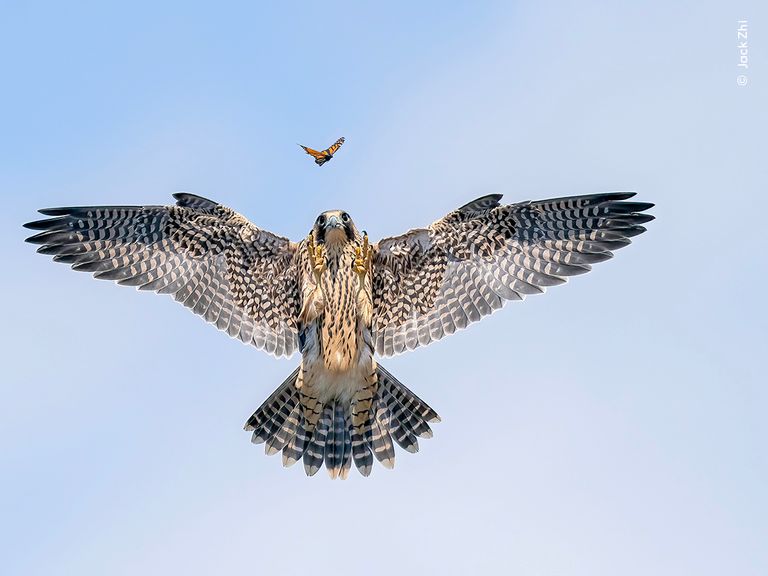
(268, 420)
(338, 432)
(313, 456)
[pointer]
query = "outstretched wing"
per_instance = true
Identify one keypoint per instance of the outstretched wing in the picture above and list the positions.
(213, 260)
(331, 150)
(314, 153)
(433, 281)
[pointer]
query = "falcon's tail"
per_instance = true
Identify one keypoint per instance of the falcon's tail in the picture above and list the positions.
(339, 432)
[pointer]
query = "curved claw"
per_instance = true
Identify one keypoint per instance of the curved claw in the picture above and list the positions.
(316, 259)
(363, 258)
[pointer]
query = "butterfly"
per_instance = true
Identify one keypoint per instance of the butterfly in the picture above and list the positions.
(323, 157)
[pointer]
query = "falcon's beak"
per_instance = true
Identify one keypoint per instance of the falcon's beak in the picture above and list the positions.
(334, 230)
(334, 222)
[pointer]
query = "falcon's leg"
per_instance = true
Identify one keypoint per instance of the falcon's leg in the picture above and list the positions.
(313, 296)
(362, 266)
(316, 259)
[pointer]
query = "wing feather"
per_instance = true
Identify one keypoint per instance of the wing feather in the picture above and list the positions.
(209, 258)
(430, 282)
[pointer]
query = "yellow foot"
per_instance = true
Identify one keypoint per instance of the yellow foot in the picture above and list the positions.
(316, 258)
(314, 297)
(363, 257)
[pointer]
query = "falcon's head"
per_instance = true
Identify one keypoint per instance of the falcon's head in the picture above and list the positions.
(335, 227)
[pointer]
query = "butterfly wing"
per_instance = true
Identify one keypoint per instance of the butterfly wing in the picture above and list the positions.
(317, 155)
(323, 156)
(331, 150)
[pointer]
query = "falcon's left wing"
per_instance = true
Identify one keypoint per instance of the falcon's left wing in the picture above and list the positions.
(432, 281)
(213, 260)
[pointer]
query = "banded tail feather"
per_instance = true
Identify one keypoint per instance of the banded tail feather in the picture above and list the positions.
(268, 420)
(338, 433)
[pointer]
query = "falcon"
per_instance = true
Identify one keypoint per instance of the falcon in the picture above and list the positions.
(339, 300)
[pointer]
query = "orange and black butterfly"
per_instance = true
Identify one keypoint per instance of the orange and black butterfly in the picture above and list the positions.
(325, 155)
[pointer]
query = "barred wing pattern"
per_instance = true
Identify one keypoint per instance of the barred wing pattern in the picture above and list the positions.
(213, 260)
(430, 282)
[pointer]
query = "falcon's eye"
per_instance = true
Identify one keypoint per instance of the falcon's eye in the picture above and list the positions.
(345, 217)
(320, 220)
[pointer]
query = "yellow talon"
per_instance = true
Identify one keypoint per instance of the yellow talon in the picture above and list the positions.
(316, 258)
(363, 257)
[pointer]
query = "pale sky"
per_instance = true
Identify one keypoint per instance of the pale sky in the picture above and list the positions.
(615, 425)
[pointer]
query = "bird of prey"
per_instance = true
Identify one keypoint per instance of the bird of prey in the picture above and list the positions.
(340, 300)
(325, 155)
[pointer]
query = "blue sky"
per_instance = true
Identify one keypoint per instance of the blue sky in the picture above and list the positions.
(613, 426)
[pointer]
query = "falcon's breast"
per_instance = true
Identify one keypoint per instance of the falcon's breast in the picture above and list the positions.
(339, 329)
